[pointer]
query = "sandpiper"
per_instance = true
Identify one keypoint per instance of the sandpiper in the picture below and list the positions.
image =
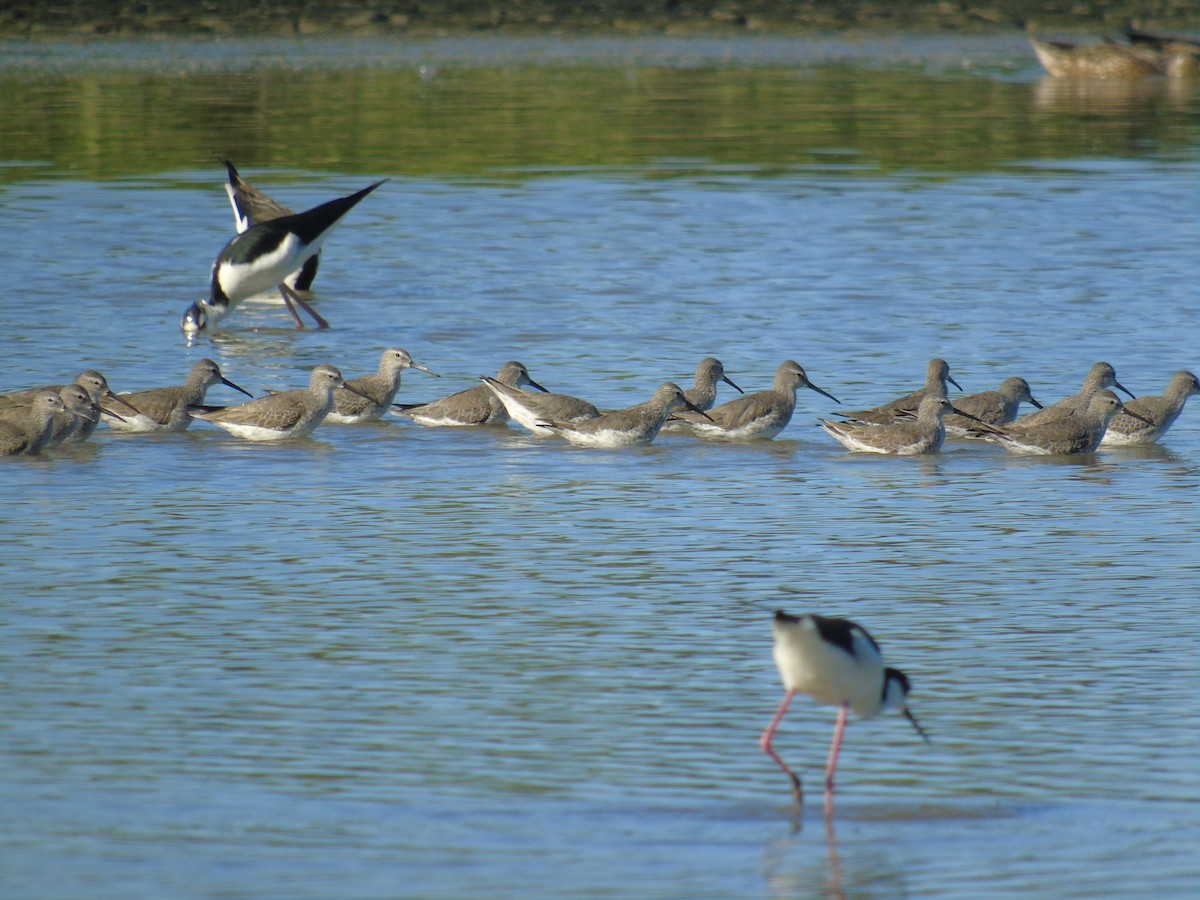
(1063, 59)
(904, 437)
(1100, 376)
(703, 392)
(1078, 432)
(263, 256)
(166, 408)
(530, 410)
(478, 405)
(635, 426)
(368, 397)
(834, 661)
(1178, 56)
(997, 407)
(758, 416)
(24, 431)
(937, 374)
(288, 414)
(1158, 413)
(77, 420)
(251, 206)
(91, 381)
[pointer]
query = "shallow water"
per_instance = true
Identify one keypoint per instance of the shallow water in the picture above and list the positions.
(390, 661)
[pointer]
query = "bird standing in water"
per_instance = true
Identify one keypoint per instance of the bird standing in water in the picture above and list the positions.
(837, 662)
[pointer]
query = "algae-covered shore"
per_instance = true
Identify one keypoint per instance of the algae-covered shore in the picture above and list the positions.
(151, 18)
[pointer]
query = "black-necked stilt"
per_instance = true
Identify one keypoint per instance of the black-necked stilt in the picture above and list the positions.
(834, 661)
(264, 256)
(252, 206)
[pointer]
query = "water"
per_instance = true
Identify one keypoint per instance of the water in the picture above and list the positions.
(390, 661)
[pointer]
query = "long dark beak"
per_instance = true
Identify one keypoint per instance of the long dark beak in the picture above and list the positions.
(694, 408)
(413, 365)
(228, 383)
(825, 392)
(1118, 384)
(109, 395)
(728, 381)
(353, 391)
(952, 381)
(966, 415)
(1129, 412)
(983, 426)
(110, 414)
(915, 724)
(534, 384)
(1035, 403)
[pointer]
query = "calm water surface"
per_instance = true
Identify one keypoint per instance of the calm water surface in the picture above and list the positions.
(390, 661)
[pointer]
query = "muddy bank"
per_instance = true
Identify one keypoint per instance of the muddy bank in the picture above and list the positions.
(150, 18)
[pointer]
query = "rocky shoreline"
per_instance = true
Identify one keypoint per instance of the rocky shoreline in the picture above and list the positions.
(224, 18)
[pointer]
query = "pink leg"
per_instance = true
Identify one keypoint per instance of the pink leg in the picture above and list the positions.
(835, 748)
(291, 296)
(287, 293)
(765, 743)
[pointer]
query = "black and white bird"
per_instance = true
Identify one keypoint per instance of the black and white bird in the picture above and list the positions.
(263, 256)
(252, 206)
(837, 662)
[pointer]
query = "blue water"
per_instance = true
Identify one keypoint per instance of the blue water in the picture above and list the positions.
(390, 661)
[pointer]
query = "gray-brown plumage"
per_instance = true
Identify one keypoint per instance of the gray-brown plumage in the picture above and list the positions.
(905, 437)
(1080, 431)
(1159, 413)
(367, 397)
(937, 373)
(703, 392)
(1100, 376)
(478, 405)
(1063, 59)
(166, 408)
(24, 431)
(288, 414)
(77, 420)
(91, 381)
(529, 409)
(998, 407)
(635, 426)
(757, 416)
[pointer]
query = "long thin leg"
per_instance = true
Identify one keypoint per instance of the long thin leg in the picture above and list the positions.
(287, 293)
(321, 323)
(765, 743)
(839, 732)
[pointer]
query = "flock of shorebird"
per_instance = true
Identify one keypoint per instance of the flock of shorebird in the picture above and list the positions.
(35, 419)
(832, 660)
(276, 247)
